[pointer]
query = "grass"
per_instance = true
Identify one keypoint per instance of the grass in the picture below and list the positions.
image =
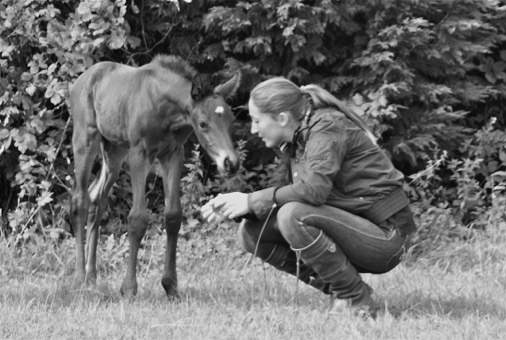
(459, 293)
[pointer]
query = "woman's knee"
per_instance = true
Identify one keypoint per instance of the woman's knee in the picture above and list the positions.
(289, 216)
(295, 226)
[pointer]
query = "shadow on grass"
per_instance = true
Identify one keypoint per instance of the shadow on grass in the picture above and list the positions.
(56, 294)
(455, 308)
(236, 292)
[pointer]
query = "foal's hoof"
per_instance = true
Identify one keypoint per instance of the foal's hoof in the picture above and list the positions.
(174, 296)
(91, 280)
(128, 290)
(79, 281)
(170, 286)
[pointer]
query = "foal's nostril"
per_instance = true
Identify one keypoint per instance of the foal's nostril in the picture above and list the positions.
(230, 167)
(227, 164)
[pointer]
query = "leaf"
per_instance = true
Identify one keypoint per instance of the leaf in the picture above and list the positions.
(500, 174)
(492, 166)
(116, 41)
(318, 58)
(56, 99)
(26, 76)
(358, 99)
(4, 133)
(133, 41)
(84, 11)
(503, 55)
(25, 141)
(44, 198)
(383, 100)
(502, 156)
(30, 89)
(499, 66)
(490, 77)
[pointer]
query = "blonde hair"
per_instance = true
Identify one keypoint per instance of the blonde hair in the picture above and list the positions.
(279, 94)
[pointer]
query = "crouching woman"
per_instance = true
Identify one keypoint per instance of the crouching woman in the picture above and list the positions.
(339, 207)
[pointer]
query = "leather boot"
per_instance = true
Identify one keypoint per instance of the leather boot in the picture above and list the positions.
(365, 308)
(285, 259)
(332, 266)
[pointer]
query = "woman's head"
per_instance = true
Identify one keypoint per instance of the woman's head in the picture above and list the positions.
(276, 107)
(278, 95)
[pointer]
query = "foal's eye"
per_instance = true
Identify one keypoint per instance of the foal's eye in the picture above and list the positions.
(203, 124)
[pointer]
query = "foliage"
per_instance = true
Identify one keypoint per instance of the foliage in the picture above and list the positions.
(44, 46)
(414, 68)
(473, 194)
(423, 68)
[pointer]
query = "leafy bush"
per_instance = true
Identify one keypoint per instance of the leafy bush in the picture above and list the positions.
(415, 69)
(46, 46)
(456, 196)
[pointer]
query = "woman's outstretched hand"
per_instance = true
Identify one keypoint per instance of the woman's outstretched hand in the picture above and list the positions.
(223, 206)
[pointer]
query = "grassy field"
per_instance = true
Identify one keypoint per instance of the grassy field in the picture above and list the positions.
(459, 293)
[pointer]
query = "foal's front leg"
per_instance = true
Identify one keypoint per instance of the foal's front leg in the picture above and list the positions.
(171, 164)
(137, 218)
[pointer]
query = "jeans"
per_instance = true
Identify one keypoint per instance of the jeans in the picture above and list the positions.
(368, 247)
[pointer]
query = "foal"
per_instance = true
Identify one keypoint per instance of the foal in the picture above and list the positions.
(139, 115)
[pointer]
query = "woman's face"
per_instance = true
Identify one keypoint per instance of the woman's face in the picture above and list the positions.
(267, 126)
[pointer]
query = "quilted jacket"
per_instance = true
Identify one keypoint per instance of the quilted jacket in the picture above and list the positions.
(333, 162)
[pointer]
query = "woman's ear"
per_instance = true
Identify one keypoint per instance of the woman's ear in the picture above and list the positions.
(284, 118)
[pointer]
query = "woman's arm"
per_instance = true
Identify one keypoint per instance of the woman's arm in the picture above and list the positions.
(313, 172)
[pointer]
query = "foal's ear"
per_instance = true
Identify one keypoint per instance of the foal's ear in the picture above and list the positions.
(228, 89)
(202, 85)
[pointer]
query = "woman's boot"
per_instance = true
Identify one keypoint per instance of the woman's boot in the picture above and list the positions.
(285, 259)
(333, 267)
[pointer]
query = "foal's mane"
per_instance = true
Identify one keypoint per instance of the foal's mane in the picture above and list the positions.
(175, 64)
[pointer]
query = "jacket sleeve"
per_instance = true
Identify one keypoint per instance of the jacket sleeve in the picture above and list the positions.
(313, 174)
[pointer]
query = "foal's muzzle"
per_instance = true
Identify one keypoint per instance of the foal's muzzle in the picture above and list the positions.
(230, 166)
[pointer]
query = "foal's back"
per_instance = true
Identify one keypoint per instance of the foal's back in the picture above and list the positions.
(128, 103)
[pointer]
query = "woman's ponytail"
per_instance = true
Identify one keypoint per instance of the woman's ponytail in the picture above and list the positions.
(322, 98)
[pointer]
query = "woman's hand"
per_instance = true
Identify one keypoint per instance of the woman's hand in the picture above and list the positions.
(229, 205)
(211, 214)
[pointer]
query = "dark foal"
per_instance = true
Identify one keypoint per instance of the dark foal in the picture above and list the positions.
(142, 114)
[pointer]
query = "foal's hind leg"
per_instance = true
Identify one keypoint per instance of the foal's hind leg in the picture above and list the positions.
(171, 169)
(137, 218)
(113, 157)
(85, 143)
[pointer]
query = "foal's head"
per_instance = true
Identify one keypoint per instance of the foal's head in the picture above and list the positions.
(213, 120)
